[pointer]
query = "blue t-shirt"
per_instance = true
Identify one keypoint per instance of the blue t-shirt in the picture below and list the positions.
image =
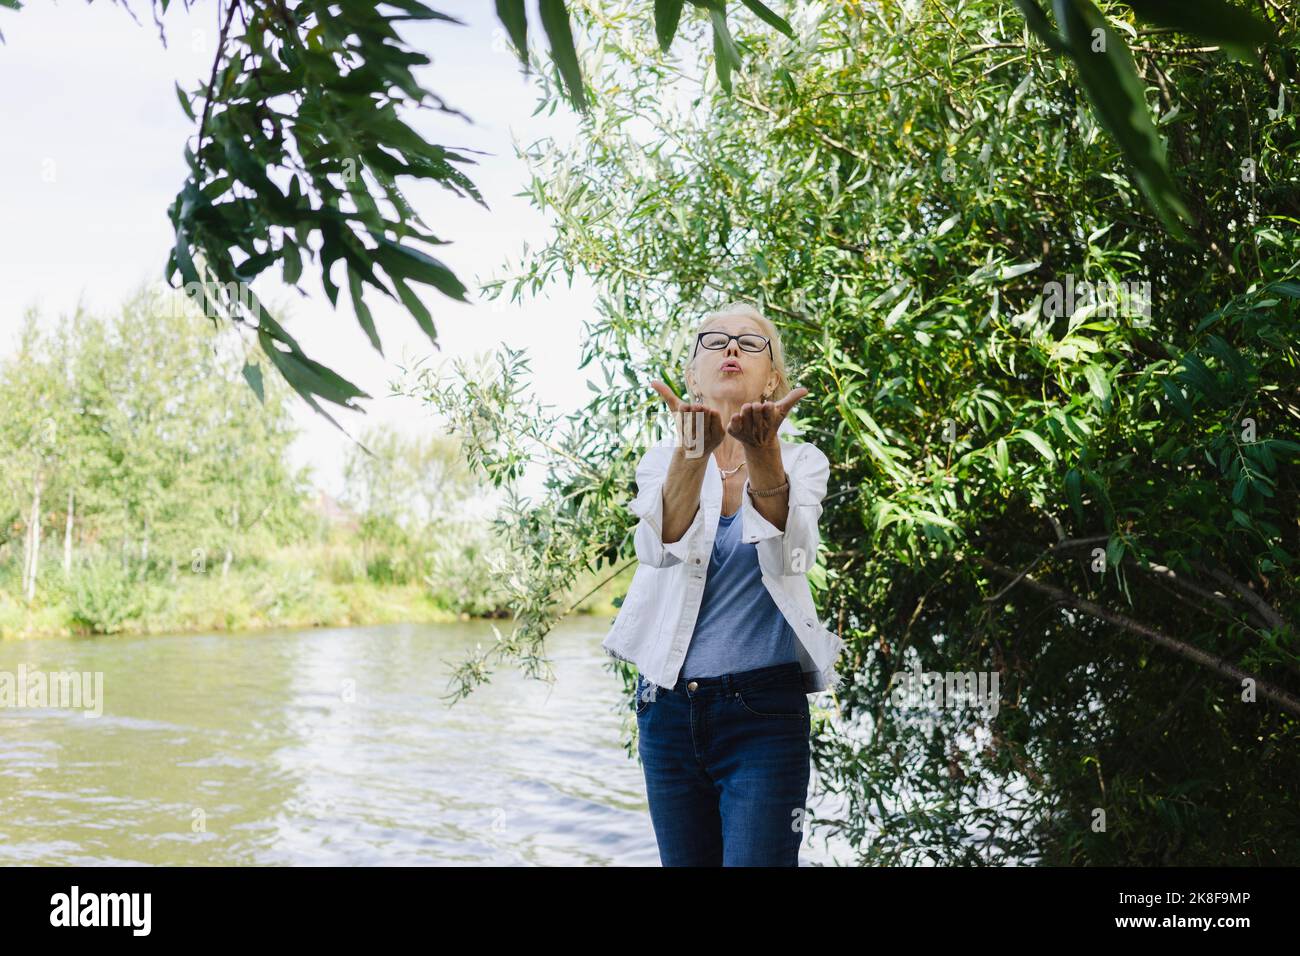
(739, 626)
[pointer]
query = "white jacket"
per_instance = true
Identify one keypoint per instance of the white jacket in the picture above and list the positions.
(657, 617)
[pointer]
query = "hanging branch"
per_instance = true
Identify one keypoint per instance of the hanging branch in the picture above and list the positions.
(1219, 665)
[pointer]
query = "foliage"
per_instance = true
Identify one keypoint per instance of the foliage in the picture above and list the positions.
(408, 490)
(168, 476)
(300, 137)
(1096, 504)
(138, 432)
(104, 596)
(540, 557)
(311, 91)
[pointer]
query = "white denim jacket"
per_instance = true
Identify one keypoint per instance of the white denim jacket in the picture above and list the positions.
(657, 617)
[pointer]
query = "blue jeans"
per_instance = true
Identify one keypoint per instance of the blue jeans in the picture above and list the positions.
(726, 766)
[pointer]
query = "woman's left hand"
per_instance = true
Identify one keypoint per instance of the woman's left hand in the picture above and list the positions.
(757, 423)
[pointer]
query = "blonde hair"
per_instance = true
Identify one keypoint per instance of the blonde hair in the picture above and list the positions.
(749, 311)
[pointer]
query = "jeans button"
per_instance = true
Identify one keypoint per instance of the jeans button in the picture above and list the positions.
(692, 685)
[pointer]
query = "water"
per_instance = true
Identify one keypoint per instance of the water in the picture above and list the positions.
(325, 747)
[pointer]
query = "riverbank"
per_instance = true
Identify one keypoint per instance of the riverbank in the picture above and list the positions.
(260, 598)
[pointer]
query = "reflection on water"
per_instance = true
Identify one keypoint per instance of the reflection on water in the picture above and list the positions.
(321, 747)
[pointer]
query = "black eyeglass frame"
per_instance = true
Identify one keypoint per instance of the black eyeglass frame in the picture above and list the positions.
(766, 341)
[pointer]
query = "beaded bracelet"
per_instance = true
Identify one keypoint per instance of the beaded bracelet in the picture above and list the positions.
(771, 491)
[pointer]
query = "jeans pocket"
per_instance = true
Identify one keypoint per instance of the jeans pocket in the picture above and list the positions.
(774, 700)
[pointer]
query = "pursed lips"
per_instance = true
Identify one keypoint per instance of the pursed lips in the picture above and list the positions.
(729, 365)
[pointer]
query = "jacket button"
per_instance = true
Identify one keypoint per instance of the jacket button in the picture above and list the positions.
(697, 560)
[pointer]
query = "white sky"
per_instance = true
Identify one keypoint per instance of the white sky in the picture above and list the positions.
(91, 155)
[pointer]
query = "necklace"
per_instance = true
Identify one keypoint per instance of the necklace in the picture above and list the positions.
(727, 474)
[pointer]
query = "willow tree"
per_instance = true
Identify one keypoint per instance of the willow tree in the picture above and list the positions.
(1063, 438)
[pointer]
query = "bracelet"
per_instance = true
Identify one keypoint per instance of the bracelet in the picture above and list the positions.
(771, 491)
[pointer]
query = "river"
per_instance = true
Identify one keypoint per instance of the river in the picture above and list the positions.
(325, 746)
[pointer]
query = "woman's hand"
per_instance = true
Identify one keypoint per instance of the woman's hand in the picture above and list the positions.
(757, 423)
(699, 428)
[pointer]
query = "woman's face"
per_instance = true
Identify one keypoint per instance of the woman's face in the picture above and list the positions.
(732, 375)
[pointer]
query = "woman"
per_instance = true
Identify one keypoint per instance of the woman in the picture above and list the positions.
(719, 618)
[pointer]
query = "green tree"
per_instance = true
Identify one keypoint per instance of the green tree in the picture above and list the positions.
(143, 421)
(406, 489)
(1095, 503)
(35, 435)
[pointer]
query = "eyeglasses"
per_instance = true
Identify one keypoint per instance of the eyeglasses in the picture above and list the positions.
(748, 341)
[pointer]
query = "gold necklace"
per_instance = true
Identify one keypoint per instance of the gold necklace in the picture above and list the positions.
(728, 474)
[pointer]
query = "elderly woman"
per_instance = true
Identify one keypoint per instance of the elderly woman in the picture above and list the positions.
(719, 618)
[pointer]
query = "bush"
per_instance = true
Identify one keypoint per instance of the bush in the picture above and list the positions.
(103, 595)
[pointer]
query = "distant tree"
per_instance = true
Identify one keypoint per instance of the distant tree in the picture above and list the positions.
(34, 437)
(142, 424)
(405, 490)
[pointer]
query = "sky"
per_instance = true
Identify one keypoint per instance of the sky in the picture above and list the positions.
(91, 154)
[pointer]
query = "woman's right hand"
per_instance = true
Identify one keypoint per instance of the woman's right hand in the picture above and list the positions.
(699, 428)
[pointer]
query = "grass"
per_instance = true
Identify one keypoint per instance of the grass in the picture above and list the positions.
(278, 593)
(293, 587)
